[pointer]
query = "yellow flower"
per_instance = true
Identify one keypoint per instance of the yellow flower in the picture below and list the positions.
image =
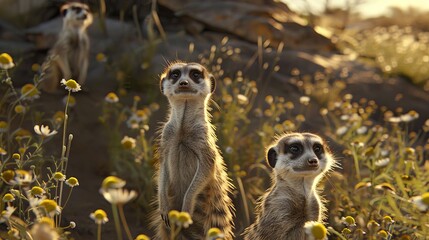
(269, 99)
(142, 237)
(100, 57)
(37, 191)
(6, 61)
(112, 182)
(72, 182)
(8, 198)
(3, 152)
(46, 220)
(304, 100)
(111, 97)
(71, 85)
(421, 202)
(30, 92)
(383, 234)
(44, 131)
(315, 230)
(128, 143)
(50, 206)
(99, 216)
(349, 221)
(19, 109)
(242, 100)
(184, 220)
(8, 175)
(35, 67)
(214, 233)
(119, 195)
(3, 126)
(59, 176)
(173, 216)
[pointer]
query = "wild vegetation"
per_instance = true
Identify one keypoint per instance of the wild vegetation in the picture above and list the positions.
(381, 191)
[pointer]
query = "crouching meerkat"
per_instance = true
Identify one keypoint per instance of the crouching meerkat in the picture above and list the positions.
(192, 175)
(299, 161)
(68, 58)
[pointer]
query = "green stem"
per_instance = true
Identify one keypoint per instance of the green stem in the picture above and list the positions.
(117, 221)
(124, 221)
(68, 197)
(244, 199)
(99, 231)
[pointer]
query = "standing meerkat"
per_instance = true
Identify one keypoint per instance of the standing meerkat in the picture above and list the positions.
(299, 161)
(68, 58)
(192, 176)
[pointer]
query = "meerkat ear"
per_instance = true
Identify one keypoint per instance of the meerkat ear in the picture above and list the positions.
(213, 83)
(161, 85)
(272, 157)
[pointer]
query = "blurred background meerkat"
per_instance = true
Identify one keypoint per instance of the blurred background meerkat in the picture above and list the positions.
(68, 58)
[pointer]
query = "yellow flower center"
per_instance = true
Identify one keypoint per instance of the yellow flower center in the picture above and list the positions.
(48, 221)
(127, 144)
(29, 90)
(100, 214)
(184, 217)
(2, 151)
(36, 191)
(8, 197)
(49, 205)
(71, 84)
(3, 125)
(213, 232)
(111, 96)
(318, 231)
(383, 234)
(16, 156)
(5, 58)
(350, 220)
(142, 237)
(112, 182)
(19, 109)
(346, 231)
(100, 57)
(173, 216)
(425, 198)
(73, 181)
(58, 176)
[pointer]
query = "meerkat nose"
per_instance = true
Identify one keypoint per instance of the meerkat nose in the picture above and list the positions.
(184, 83)
(313, 162)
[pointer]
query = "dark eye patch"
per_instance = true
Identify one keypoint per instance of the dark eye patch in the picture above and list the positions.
(196, 75)
(295, 149)
(174, 75)
(318, 149)
(76, 9)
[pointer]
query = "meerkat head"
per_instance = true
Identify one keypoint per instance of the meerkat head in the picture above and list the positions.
(186, 81)
(76, 15)
(300, 154)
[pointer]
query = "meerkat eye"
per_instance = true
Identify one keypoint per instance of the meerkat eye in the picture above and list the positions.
(294, 148)
(175, 75)
(196, 75)
(318, 149)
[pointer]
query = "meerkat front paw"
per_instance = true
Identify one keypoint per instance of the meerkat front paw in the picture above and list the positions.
(164, 216)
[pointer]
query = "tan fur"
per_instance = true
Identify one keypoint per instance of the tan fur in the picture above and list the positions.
(192, 175)
(293, 198)
(68, 58)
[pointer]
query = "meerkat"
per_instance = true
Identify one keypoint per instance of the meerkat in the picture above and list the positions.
(192, 175)
(68, 58)
(299, 161)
